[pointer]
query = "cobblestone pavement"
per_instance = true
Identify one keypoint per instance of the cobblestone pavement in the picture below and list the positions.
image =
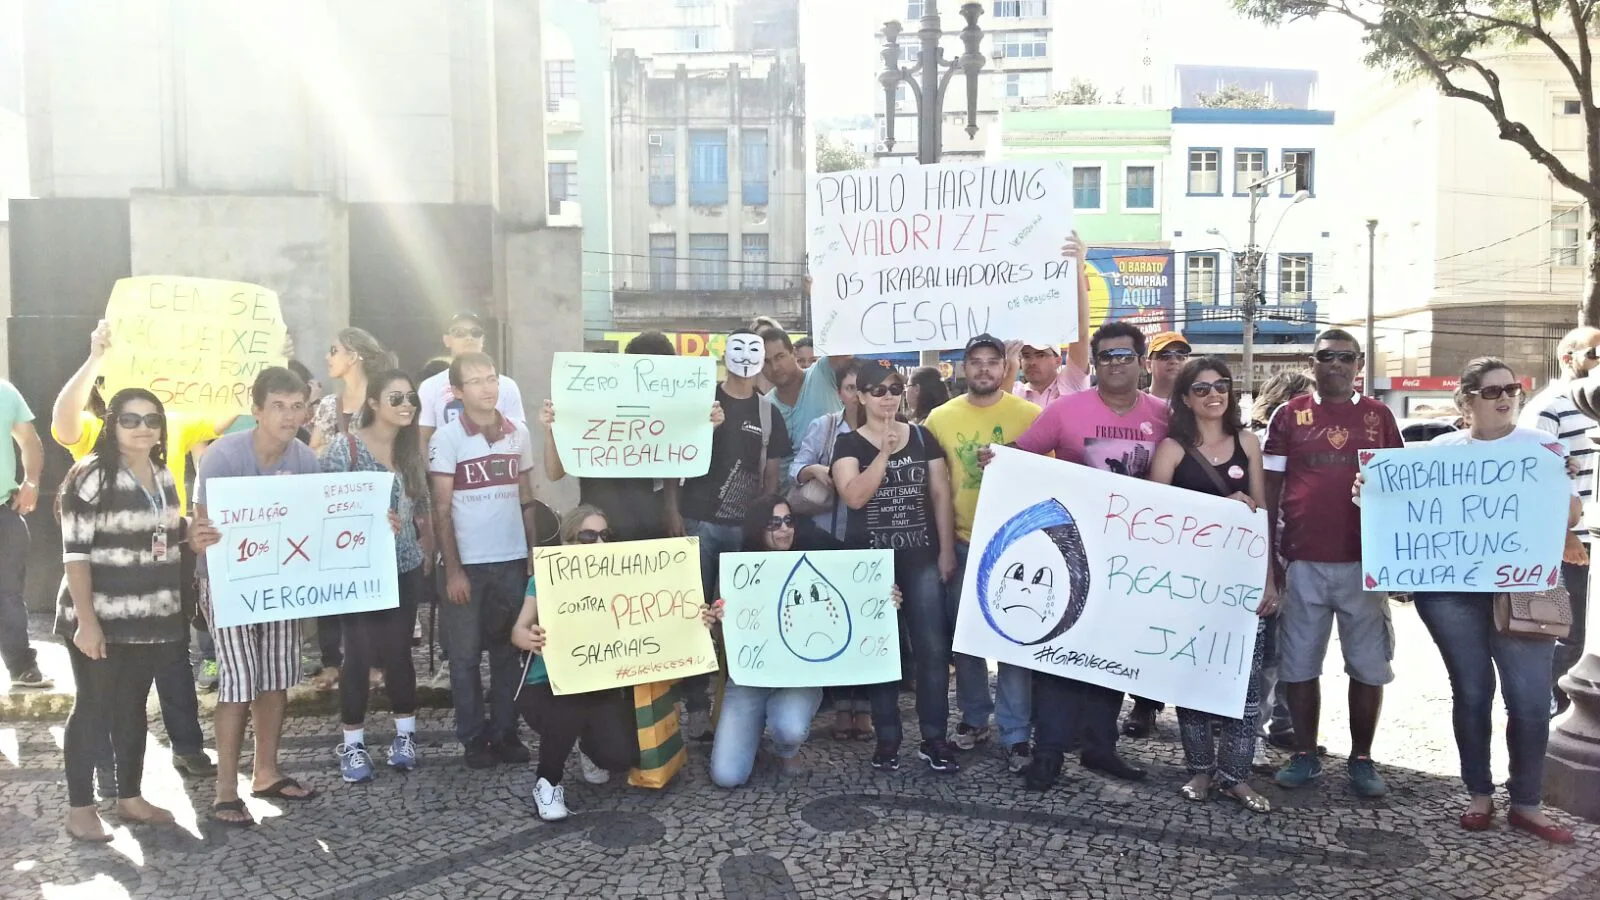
(841, 831)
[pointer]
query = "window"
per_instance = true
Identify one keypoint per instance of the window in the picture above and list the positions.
(696, 39)
(560, 82)
(1026, 86)
(753, 166)
(1571, 108)
(1018, 9)
(663, 262)
(754, 275)
(902, 96)
(563, 184)
(1203, 175)
(1141, 187)
(1298, 162)
(1249, 167)
(1021, 45)
(910, 53)
(708, 168)
(914, 9)
(1085, 187)
(1294, 277)
(708, 262)
(1566, 242)
(663, 168)
(1201, 284)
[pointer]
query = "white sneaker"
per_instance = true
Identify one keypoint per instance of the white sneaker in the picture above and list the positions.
(551, 799)
(591, 772)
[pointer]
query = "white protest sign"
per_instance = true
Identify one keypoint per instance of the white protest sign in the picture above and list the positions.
(1116, 581)
(301, 546)
(624, 415)
(926, 257)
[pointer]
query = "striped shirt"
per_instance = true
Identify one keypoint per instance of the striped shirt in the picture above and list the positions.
(1553, 412)
(135, 593)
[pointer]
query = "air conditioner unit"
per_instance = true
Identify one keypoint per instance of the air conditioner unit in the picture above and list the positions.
(655, 140)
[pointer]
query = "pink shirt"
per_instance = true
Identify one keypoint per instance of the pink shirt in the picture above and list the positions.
(1069, 380)
(1081, 428)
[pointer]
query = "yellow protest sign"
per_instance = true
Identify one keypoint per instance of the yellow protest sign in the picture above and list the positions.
(196, 343)
(622, 614)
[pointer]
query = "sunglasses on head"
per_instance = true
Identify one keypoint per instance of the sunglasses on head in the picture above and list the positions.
(590, 536)
(880, 389)
(398, 397)
(148, 420)
(1496, 391)
(468, 332)
(777, 522)
(1170, 355)
(1117, 357)
(1204, 388)
(1327, 356)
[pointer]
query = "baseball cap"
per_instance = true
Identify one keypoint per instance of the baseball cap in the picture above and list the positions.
(460, 317)
(870, 371)
(1041, 346)
(1166, 339)
(984, 340)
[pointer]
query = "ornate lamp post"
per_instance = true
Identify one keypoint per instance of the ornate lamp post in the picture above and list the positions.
(1572, 763)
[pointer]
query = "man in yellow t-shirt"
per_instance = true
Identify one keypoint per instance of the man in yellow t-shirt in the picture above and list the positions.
(986, 414)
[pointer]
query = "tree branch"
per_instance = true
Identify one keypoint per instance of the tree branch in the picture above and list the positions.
(1537, 33)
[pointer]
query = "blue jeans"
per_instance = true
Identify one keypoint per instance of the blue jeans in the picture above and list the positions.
(932, 629)
(1462, 625)
(715, 540)
(484, 623)
(1012, 706)
(15, 652)
(749, 711)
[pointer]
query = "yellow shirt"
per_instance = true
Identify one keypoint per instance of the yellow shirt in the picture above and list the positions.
(184, 432)
(962, 429)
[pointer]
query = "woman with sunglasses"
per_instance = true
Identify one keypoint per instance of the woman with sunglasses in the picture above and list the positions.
(602, 718)
(893, 478)
(1208, 450)
(1462, 626)
(386, 439)
(122, 612)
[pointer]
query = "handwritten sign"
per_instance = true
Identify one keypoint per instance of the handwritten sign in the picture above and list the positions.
(621, 614)
(196, 343)
(801, 619)
(633, 416)
(1464, 518)
(300, 546)
(1116, 581)
(924, 258)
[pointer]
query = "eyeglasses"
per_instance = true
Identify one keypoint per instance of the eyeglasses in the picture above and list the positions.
(1118, 357)
(473, 332)
(1204, 388)
(1345, 356)
(148, 420)
(1172, 355)
(1496, 391)
(879, 390)
(777, 522)
(590, 536)
(398, 397)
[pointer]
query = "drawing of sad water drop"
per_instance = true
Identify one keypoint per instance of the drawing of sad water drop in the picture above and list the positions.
(813, 619)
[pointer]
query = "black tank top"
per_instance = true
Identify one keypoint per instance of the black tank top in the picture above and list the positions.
(1235, 473)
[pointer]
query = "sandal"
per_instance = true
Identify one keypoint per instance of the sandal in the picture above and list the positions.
(275, 791)
(233, 806)
(864, 730)
(843, 732)
(326, 681)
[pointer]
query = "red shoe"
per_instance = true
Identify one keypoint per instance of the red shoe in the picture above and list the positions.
(1476, 821)
(1555, 834)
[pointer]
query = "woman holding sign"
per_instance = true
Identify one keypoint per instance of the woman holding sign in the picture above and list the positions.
(1207, 449)
(1463, 626)
(122, 613)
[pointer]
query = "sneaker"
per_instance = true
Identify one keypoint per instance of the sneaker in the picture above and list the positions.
(478, 754)
(194, 765)
(1019, 756)
(592, 773)
(937, 755)
(699, 726)
(887, 757)
(403, 752)
(551, 799)
(512, 752)
(32, 678)
(355, 766)
(206, 675)
(1301, 768)
(1364, 778)
(968, 737)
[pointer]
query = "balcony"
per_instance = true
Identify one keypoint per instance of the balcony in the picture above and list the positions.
(709, 311)
(1289, 323)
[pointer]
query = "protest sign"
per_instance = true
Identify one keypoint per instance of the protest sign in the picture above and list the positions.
(802, 619)
(301, 546)
(1475, 517)
(1116, 581)
(924, 258)
(196, 343)
(621, 614)
(633, 416)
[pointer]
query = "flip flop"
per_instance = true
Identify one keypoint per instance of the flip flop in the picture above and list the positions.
(274, 791)
(237, 806)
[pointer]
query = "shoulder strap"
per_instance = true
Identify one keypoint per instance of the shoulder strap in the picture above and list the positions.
(350, 438)
(1205, 466)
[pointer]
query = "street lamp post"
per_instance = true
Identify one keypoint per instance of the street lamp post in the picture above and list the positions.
(929, 80)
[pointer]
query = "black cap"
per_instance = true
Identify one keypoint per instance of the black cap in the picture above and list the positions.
(985, 340)
(871, 370)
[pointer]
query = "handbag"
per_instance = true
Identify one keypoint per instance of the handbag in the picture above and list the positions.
(813, 497)
(1533, 615)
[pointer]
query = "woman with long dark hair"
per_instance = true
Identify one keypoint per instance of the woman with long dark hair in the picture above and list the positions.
(386, 439)
(1208, 449)
(122, 612)
(925, 392)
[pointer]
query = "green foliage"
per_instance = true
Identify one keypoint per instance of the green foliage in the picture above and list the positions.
(1081, 92)
(1233, 96)
(840, 157)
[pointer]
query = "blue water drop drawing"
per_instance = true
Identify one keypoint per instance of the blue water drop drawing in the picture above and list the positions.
(813, 617)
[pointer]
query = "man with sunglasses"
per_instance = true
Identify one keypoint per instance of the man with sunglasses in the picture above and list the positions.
(1169, 352)
(17, 499)
(1312, 457)
(1552, 411)
(440, 403)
